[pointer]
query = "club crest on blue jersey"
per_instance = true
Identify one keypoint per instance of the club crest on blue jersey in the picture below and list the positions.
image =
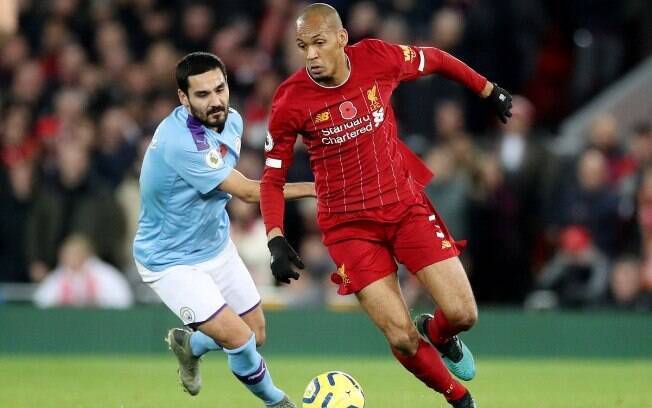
(214, 159)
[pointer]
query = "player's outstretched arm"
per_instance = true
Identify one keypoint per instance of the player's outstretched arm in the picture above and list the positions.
(410, 62)
(248, 190)
(293, 191)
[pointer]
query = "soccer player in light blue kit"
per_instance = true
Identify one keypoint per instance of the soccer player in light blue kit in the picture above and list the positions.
(182, 248)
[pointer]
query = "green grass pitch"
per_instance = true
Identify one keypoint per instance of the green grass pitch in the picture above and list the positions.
(37, 381)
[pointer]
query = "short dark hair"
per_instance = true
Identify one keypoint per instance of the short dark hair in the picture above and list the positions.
(197, 63)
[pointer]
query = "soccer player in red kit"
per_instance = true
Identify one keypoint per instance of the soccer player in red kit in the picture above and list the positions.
(371, 206)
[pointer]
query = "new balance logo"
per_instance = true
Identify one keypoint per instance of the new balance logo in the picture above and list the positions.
(379, 116)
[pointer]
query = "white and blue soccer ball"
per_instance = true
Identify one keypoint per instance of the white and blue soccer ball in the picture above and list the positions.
(333, 389)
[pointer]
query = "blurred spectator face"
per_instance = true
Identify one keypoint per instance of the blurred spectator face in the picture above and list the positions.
(91, 79)
(207, 98)
(28, 83)
(113, 128)
(625, 281)
(64, 8)
(449, 119)
(69, 104)
(84, 132)
(21, 177)
(157, 23)
(197, 22)
(522, 115)
(394, 30)
(73, 162)
(592, 170)
(138, 81)
(16, 127)
(603, 132)
(55, 35)
(640, 144)
(74, 252)
(447, 27)
(160, 57)
(14, 53)
(111, 45)
(322, 46)
(110, 36)
(364, 20)
(72, 60)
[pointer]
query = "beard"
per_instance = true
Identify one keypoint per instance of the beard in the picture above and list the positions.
(206, 119)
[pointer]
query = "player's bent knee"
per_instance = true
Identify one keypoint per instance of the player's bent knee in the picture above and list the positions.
(261, 336)
(463, 317)
(405, 340)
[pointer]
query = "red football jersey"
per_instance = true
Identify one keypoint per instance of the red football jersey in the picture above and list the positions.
(360, 165)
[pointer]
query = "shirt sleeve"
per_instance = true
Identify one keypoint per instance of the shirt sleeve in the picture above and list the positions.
(411, 62)
(279, 153)
(204, 169)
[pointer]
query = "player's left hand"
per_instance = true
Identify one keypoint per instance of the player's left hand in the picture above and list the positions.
(501, 101)
(283, 257)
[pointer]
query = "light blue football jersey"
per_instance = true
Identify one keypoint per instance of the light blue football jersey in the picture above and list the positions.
(183, 220)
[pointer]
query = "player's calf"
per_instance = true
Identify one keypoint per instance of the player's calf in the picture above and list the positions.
(250, 368)
(456, 355)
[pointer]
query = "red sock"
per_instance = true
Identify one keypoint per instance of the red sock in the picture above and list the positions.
(439, 330)
(427, 366)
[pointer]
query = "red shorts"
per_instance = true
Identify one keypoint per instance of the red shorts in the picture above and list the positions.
(366, 250)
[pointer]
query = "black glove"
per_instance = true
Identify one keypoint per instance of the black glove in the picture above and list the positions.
(283, 257)
(501, 101)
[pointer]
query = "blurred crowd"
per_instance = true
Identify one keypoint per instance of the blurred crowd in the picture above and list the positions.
(84, 83)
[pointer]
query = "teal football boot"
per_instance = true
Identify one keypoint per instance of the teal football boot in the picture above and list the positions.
(456, 355)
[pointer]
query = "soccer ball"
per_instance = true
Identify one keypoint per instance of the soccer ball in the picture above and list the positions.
(333, 389)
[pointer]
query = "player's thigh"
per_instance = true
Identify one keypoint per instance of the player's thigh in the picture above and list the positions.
(384, 303)
(237, 286)
(449, 286)
(234, 280)
(422, 239)
(359, 263)
(187, 291)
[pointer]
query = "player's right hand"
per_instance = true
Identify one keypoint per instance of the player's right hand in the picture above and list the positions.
(283, 257)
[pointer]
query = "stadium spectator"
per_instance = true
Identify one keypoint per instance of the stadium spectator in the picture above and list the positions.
(16, 199)
(450, 189)
(626, 286)
(75, 201)
(81, 279)
(70, 63)
(588, 200)
(116, 147)
(577, 276)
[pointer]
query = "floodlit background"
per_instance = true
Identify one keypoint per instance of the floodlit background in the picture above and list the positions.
(556, 205)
